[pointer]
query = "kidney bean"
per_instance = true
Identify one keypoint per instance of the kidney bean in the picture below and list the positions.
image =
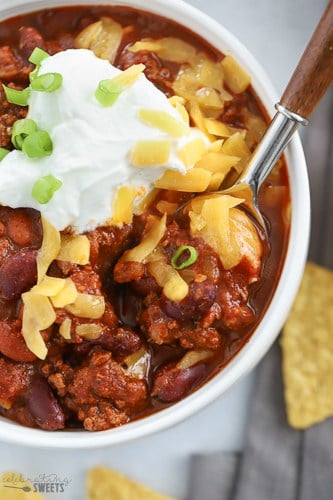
(200, 298)
(9, 309)
(172, 384)
(120, 342)
(22, 229)
(43, 406)
(12, 343)
(18, 273)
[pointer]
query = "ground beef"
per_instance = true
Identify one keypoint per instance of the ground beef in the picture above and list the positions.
(12, 343)
(107, 245)
(155, 70)
(99, 391)
(10, 65)
(215, 296)
(30, 38)
(101, 417)
(196, 304)
(87, 281)
(200, 338)
(156, 325)
(9, 113)
(128, 271)
(14, 378)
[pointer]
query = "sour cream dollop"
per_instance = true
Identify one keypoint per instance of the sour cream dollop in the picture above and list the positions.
(91, 143)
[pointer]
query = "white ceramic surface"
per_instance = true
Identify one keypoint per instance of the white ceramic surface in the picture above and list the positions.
(290, 277)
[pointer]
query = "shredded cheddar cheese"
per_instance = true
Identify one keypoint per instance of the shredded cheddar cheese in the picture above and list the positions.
(148, 244)
(163, 121)
(151, 153)
(195, 180)
(75, 249)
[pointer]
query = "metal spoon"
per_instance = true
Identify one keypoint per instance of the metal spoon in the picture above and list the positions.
(311, 79)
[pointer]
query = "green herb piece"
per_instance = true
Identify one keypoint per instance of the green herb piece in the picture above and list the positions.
(37, 145)
(3, 152)
(46, 83)
(193, 256)
(34, 73)
(108, 92)
(44, 188)
(37, 56)
(19, 97)
(21, 130)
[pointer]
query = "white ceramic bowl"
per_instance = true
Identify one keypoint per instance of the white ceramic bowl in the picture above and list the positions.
(276, 313)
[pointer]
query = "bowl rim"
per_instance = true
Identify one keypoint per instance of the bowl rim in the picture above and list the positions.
(290, 277)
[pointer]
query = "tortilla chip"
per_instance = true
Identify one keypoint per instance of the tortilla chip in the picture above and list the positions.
(105, 483)
(307, 347)
(13, 486)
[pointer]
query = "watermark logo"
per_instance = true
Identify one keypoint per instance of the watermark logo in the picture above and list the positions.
(43, 483)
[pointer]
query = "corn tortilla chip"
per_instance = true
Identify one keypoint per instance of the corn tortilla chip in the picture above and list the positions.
(13, 486)
(307, 347)
(106, 484)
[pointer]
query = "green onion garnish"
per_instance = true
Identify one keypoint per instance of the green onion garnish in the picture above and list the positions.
(19, 97)
(3, 152)
(21, 130)
(33, 73)
(47, 83)
(44, 188)
(186, 263)
(37, 56)
(108, 92)
(37, 145)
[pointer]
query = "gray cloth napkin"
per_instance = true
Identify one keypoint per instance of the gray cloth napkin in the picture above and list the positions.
(279, 463)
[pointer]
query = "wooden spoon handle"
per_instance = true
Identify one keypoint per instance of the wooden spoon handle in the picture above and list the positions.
(314, 72)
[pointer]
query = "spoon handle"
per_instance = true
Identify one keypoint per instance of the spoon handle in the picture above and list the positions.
(311, 79)
(314, 72)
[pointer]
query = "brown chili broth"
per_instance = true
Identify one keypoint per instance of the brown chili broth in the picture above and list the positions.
(56, 23)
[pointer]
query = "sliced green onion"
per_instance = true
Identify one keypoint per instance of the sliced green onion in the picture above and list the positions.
(38, 144)
(33, 74)
(19, 97)
(37, 56)
(108, 92)
(3, 152)
(44, 188)
(21, 130)
(179, 253)
(47, 83)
